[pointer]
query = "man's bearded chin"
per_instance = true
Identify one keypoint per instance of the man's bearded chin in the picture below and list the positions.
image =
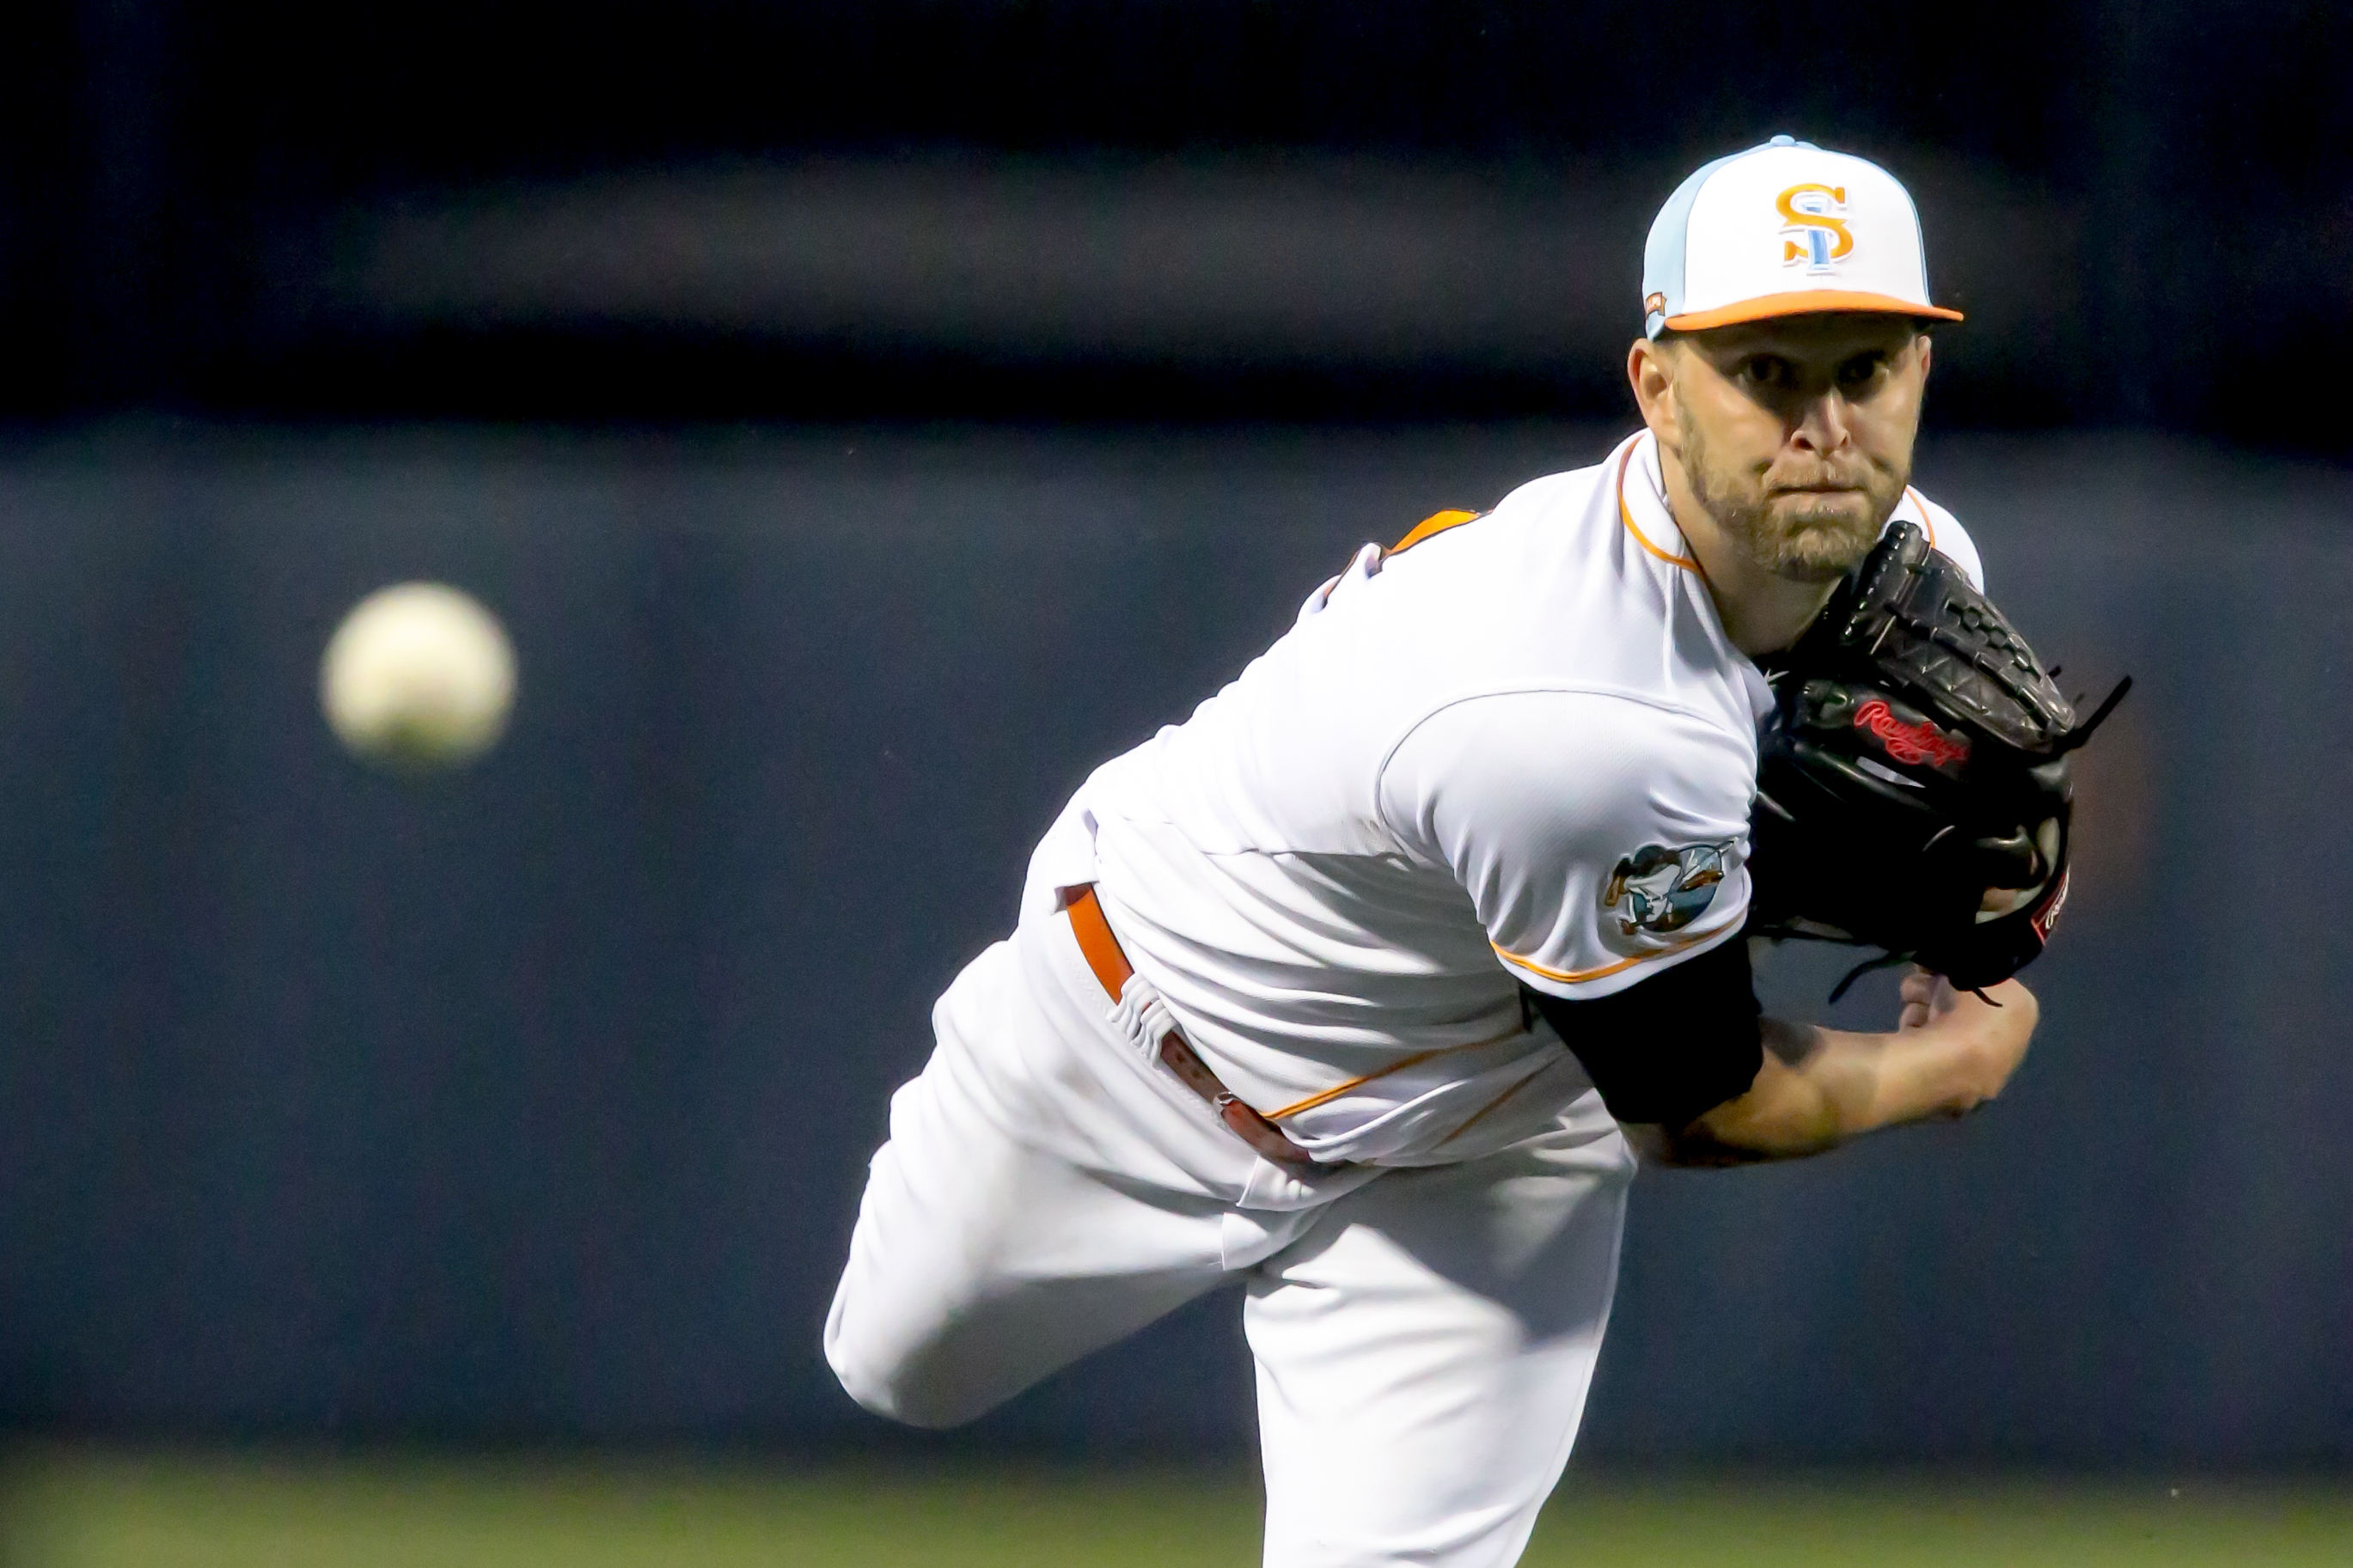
(1807, 538)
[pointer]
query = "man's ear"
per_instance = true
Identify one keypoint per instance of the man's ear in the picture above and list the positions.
(1651, 372)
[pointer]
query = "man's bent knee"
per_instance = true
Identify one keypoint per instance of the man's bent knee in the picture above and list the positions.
(904, 1394)
(898, 1384)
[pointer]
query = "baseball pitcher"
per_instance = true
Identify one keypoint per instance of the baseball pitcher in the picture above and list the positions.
(1364, 985)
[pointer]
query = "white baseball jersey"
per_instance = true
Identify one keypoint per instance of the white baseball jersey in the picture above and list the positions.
(1518, 749)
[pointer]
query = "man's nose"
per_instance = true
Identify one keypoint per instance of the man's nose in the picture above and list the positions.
(1821, 425)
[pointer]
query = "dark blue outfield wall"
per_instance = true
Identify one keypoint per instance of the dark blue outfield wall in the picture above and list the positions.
(534, 1103)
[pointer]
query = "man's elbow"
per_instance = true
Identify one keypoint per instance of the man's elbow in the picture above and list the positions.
(1781, 1130)
(1688, 1148)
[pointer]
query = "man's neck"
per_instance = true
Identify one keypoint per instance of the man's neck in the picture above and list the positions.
(1762, 613)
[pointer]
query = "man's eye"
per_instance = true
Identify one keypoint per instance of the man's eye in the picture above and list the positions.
(1862, 370)
(1769, 370)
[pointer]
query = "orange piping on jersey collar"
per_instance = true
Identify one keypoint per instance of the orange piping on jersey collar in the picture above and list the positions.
(1626, 516)
(1416, 1059)
(1578, 976)
(1437, 523)
(1927, 524)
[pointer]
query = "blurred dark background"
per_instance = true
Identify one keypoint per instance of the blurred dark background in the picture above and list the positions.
(1141, 207)
(865, 418)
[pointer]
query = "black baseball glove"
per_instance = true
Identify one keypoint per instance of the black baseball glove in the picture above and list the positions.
(1913, 788)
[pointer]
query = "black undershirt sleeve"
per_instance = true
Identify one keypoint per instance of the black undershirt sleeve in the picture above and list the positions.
(1672, 1047)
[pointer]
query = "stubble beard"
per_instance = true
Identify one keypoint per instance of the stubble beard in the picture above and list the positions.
(1798, 541)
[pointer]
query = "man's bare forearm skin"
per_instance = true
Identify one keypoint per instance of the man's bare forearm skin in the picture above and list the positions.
(1820, 1088)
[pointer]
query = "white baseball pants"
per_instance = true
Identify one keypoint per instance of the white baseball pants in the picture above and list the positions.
(1424, 1336)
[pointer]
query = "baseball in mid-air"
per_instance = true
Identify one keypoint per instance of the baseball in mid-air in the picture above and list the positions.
(418, 678)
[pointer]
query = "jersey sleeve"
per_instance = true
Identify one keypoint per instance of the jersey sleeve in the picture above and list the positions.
(1601, 839)
(1705, 1008)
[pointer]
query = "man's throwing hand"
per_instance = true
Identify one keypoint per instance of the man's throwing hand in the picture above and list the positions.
(1991, 1029)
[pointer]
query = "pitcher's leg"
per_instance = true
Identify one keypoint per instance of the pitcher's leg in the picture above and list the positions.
(979, 1264)
(1424, 1354)
(979, 1267)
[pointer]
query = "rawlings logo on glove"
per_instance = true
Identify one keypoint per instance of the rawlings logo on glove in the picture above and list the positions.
(1920, 742)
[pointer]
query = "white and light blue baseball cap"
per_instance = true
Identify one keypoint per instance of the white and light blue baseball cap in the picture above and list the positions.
(1784, 229)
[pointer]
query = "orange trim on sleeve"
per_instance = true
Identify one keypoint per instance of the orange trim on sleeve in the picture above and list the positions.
(1578, 976)
(1437, 523)
(1626, 516)
(1574, 976)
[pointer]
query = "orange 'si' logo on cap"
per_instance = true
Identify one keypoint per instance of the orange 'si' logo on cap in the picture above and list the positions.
(1812, 231)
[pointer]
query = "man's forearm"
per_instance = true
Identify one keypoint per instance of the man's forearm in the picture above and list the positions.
(1866, 1082)
(1810, 1091)
(1819, 1087)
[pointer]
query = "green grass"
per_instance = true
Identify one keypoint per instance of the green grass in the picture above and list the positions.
(78, 1508)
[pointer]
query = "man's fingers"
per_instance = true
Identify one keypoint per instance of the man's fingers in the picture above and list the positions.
(1926, 998)
(1923, 988)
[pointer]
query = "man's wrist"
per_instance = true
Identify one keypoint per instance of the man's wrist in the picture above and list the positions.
(1955, 1064)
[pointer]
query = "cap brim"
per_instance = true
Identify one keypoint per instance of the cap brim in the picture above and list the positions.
(1806, 302)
